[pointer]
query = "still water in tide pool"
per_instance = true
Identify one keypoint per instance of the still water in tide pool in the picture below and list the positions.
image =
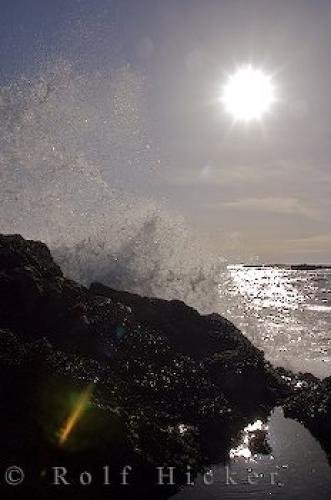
(285, 312)
(295, 469)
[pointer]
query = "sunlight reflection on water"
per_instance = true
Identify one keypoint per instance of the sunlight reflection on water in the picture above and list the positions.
(255, 432)
(284, 312)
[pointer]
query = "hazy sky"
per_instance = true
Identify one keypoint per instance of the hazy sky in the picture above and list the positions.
(254, 189)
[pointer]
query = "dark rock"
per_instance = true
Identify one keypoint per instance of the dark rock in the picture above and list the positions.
(16, 252)
(229, 358)
(311, 405)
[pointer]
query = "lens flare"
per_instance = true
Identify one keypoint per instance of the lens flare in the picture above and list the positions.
(76, 413)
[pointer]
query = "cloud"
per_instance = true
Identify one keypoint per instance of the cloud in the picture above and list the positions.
(282, 174)
(209, 174)
(275, 205)
(311, 244)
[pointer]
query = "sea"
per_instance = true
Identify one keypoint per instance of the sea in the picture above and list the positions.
(284, 311)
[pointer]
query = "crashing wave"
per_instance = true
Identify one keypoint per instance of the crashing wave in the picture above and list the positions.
(71, 147)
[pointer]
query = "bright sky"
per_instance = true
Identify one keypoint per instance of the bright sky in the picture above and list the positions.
(252, 188)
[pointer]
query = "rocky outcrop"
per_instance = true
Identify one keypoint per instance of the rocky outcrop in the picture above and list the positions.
(311, 405)
(219, 348)
(165, 385)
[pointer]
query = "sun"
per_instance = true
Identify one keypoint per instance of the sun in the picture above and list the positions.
(248, 94)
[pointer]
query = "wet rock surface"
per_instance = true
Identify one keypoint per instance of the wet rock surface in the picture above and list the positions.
(167, 385)
(311, 405)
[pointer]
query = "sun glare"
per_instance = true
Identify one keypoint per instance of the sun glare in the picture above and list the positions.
(248, 94)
